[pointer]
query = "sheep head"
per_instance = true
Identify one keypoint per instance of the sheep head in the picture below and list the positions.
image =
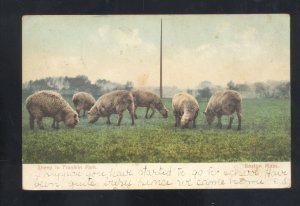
(93, 114)
(70, 118)
(210, 117)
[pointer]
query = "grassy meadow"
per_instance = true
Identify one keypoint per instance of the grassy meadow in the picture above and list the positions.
(265, 136)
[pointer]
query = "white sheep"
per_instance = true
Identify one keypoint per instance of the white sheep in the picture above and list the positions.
(50, 104)
(83, 101)
(115, 102)
(224, 103)
(185, 109)
(149, 100)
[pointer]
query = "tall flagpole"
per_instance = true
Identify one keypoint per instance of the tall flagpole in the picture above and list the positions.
(161, 91)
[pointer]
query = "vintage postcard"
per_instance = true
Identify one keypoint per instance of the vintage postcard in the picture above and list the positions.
(156, 102)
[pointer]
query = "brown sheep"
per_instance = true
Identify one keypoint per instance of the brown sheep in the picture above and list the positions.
(224, 103)
(148, 100)
(83, 101)
(185, 109)
(50, 104)
(115, 102)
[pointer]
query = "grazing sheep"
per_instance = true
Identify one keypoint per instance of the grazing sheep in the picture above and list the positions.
(148, 100)
(83, 101)
(185, 109)
(115, 102)
(50, 104)
(224, 103)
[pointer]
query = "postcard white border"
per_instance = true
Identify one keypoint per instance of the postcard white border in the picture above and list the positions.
(128, 176)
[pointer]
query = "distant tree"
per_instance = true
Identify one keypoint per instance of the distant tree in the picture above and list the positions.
(41, 84)
(101, 82)
(79, 82)
(243, 87)
(204, 84)
(95, 90)
(282, 90)
(231, 85)
(30, 86)
(106, 85)
(261, 89)
(190, 91)
(57, 83)
(129, 85)
(204, 93)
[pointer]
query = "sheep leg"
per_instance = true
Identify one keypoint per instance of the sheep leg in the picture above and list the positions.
(240, 120)
(78, 112)
(57, 125)
(132, 114)
(230, 122)
(176, 118)
(108, 120)
(132, 118)
(83, 113)
(53, 124)
(179, 119)
(120, 118)
(152, 113)
(219, 122)
(135, 116)
(40, 123)
(194, 123)
(194, 120)
(31, 122)
(147, 110)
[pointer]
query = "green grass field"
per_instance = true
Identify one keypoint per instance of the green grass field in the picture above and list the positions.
(265, 136)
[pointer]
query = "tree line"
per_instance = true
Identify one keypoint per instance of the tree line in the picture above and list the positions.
(268, 89)
(69, 85)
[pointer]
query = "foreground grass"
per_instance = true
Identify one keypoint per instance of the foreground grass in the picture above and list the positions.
(265, 136)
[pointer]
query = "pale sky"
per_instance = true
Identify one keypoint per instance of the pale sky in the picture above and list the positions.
(120, 48)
